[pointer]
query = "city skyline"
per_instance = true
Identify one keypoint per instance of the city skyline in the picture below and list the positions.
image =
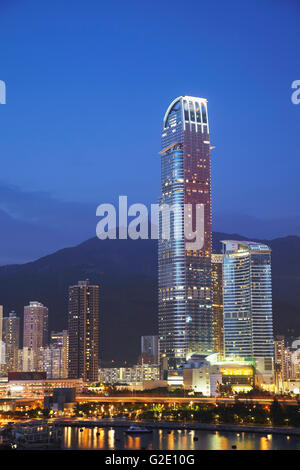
(186, 327)
(215, 318)
(150, 229)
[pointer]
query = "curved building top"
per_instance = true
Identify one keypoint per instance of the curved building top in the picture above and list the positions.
(187, 110)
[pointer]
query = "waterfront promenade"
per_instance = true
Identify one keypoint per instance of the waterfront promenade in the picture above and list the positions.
(170, 425)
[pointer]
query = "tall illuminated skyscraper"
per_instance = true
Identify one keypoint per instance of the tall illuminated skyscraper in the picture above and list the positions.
(35, 333)
(247, 298)
(11, 336)
(2, 344)
(83, 331)
(185, 297)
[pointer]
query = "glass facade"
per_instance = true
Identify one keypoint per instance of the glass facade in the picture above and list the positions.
(185, 298)
(247, 299)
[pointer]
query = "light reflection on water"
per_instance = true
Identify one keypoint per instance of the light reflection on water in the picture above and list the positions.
(116, 438)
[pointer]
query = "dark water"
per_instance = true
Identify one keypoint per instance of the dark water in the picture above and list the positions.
(162, 439)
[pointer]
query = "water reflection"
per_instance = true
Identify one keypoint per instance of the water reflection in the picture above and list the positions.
(116, 438)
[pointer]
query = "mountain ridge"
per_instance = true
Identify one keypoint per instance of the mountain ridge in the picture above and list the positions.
(126, 271)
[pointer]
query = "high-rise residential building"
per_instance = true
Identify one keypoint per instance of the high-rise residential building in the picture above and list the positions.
(51, 361)
(129, 375)
(218, 314)
(27, 360)
(83, 331)
(45, 328)
(279, 355)
(247, 298)
(1, 322)
(2, 344)
(294, 357)
(279, 363)
(149, 350)
(185, 294)
(35, 327)
(60, 339)
(11, 338)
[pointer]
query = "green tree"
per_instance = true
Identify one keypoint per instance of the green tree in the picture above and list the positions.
(276, 413)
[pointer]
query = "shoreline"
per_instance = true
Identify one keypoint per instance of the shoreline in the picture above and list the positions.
(287, 431)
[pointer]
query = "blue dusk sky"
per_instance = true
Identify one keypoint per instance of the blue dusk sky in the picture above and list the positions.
(88, 82)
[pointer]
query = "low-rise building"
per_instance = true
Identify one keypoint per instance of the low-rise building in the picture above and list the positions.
(200, 376)
(23, 385)
(61, 399)
(175, 379)
(206, 375)
(129, 375)
(264, 373)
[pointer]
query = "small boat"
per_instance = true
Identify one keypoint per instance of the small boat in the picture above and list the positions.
(138, 430)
